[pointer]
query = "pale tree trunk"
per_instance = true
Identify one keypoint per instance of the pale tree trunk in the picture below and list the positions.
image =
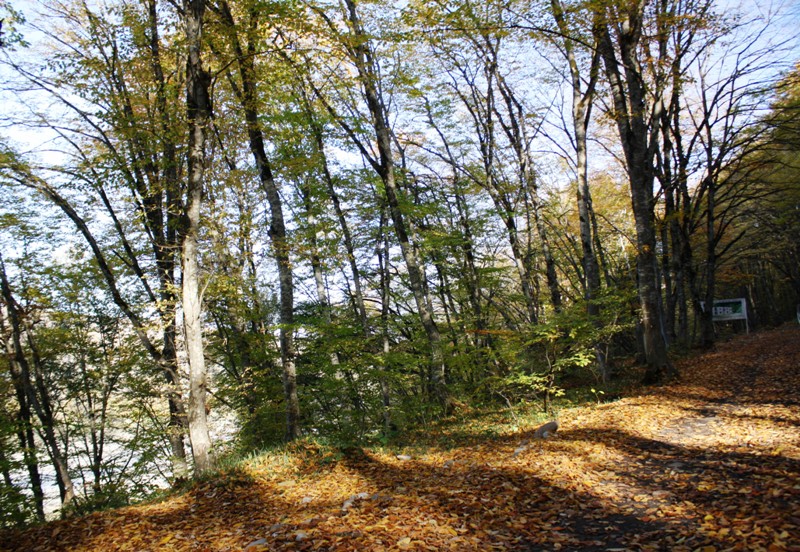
(316, 262)
(516, 131)
(485, 114)
(471, 275)
(383, 267)
(165, 239)
(198, 105)
(347, 237)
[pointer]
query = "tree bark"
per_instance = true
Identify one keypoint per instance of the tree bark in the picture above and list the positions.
(198, 104)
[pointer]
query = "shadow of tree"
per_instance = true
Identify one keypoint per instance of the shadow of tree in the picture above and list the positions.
(222, 514)
(518, 509)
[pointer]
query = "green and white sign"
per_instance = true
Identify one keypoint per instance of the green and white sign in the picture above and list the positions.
(729, 309)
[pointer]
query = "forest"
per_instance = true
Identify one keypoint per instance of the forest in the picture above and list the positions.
(228, 225)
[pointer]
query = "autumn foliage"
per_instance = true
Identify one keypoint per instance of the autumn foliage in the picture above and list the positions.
(709, 463)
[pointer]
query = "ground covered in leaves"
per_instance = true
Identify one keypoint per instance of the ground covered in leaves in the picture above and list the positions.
(711, 463)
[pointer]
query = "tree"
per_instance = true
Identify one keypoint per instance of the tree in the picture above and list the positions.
(112, 154)
(29, 381)
(247, 93)
(583, 97)
(636, 112)
(469, 45)
(358, 48)
(761, 248)
(198, 108)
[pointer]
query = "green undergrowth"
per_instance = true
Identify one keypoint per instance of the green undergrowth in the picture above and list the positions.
(465, 426)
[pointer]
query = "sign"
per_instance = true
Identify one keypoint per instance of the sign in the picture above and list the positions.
(729, 309)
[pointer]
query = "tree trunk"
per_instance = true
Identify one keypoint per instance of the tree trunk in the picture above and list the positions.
(198, 105)
(385, 278)
(516, 131)
(582, 102)
(471, 276)
(347, 237)
(707, 333)
(165, 241)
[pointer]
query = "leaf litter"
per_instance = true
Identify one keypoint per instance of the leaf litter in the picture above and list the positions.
(708, 464)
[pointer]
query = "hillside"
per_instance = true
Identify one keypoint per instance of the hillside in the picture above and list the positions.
(710, 463)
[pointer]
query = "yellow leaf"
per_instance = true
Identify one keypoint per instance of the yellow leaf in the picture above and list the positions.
(404, 543)
(708, 517)
(166, 539)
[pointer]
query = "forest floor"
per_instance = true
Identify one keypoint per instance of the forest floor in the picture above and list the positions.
(710, 463)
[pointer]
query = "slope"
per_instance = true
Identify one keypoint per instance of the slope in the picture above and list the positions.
(710, 463)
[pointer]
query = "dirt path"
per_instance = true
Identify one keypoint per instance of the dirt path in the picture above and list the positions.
(711, 463)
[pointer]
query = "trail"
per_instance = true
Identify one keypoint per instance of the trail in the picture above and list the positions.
(710, 463)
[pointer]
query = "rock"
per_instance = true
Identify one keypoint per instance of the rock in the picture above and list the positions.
(381, 499)
(403, 457)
